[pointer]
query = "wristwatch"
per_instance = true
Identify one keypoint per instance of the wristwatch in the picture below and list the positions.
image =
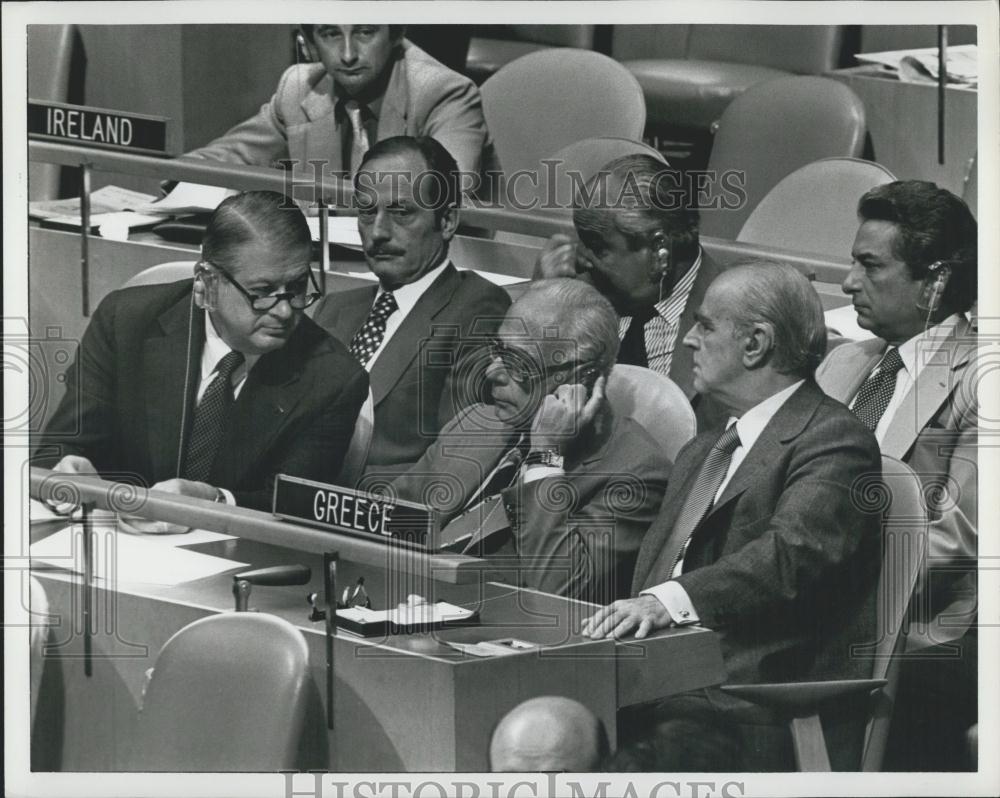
(545, 457)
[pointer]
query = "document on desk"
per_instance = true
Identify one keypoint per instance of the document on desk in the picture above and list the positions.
(340, 230)
(127, 559)
(188, 198)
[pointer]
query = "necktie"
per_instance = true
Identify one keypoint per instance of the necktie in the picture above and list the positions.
(632, 351)
(503, 475)
(876, 392)
(702, 494)
(210, 420)
(368, 339)
(359, 137)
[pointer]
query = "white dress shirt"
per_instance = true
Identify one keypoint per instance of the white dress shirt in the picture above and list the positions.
(749, 427)
(663, 329)
(406, 297)
(915, 354)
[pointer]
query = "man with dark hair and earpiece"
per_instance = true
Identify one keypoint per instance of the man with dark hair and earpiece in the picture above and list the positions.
(559, 488)
(637, 243)
(209, 387)
(365, 83)
(912, 282)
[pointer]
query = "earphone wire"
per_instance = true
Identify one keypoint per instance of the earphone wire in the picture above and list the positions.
(187, 384)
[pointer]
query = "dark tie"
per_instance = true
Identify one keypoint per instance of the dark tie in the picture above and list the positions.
(368, 339)
(503, 475)
(701, 497)
(632, 351)
(210, 420)
(876, 392)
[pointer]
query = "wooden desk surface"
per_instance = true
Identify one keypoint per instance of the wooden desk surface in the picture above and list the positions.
(402, 703)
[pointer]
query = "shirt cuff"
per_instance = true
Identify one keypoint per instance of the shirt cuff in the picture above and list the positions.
(230, 499)
(676, 600)
(531, 473)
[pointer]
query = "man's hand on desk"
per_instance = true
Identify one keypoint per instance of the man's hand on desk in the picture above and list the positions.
(187, 487)
(180, 487)
(75, 464)
(557, 258)
(644, 614)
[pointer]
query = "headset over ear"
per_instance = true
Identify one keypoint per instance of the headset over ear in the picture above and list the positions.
(205, 292)
(933, 288)
(662, 264)
(304, 48)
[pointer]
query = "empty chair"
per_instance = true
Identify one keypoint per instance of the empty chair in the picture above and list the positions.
(656, 404)
(543, 101)
(769, 132)
(168, 272)
(690, 77)
(229, 692)
(586, 158)
(900, 496)
(814, 209)
(494, 46)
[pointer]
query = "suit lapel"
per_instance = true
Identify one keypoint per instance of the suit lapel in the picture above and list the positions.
(843, 382)
(349, 311)
(404, 345)
(321, 135)
(260, 412)
(392, 115)
(169, 404)
(930, 391)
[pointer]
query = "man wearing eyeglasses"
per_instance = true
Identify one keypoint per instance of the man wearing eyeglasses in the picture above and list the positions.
(208, 388)
(545, 480)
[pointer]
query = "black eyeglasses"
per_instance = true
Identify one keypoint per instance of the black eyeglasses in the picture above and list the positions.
(523, 368)
(299, 299)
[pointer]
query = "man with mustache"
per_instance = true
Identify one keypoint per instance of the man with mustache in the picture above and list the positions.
(912, 282)
(421, 333)
(209, 387)
(369, 84)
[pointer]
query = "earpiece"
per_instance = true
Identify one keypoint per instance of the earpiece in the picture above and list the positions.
(661, 256)
(304, 48)
(935, 283)
(206, 288)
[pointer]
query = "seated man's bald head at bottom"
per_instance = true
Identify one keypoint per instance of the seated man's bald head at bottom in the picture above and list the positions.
(549, 733)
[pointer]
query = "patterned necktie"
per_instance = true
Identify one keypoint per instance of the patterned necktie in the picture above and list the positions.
(368, 339)
(876, 392)
(702, 495)
(210, 420)
(359, 137)
(632, 351)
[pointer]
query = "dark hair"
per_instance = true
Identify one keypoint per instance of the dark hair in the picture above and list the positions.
(255, 216)
(780, 296)
(440, 167)
(395, 31)
(932, 224)
(653, 200)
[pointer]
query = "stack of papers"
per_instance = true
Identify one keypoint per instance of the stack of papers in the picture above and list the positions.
(922, 64)
(111, 208)
(187, 198)
(341, 230)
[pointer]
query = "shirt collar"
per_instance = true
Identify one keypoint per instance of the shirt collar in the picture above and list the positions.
(408, 295)
(915, 352)
(216, 349)
(751, 424)
(671, 307)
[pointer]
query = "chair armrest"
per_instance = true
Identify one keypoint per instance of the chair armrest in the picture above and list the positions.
(801, 699)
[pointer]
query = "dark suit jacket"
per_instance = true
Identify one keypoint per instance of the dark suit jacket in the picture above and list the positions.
(432, 365)
(784, 566)
(126, 399)
(574, 535)
(936, 432)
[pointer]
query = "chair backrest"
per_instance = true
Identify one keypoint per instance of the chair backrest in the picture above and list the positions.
(904, 533)
(228, 692)
(814, 209)
(804, 49)
(771, 130)
(168, 272)
(970, 188)
(557, 35)
(655, 402)
(633, 42)
(586, 158)
(545, 100)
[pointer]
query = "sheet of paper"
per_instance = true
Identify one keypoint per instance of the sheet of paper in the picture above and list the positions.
(962, 66)
(341, 230)
(188, 198)
(109, 199)
(41, 513)
(192, 537)
(128, 558)
(844, 321)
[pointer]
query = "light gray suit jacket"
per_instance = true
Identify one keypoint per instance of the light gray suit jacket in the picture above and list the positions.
(422, 98)
(935, 432)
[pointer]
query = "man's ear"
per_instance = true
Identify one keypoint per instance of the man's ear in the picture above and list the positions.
(449, 223)
(757, 345)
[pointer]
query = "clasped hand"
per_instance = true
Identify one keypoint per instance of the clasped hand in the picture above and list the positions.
(564, 414)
